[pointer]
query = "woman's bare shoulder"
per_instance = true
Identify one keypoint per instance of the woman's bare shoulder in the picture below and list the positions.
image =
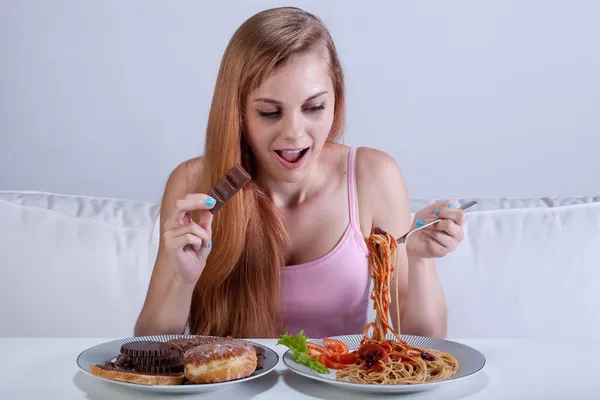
(381, 189)
(182, 180)
(374, 161)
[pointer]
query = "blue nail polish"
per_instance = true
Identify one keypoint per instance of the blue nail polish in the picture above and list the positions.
(419, 223)
(437, 211)
(209, 245)
(210, 202)
(450, 205)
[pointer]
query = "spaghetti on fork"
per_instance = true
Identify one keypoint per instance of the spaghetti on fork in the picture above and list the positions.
(391, 361)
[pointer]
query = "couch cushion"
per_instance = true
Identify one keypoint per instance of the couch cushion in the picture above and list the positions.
(73, 266)
(79, 266)
(526, 272)
(512, 203)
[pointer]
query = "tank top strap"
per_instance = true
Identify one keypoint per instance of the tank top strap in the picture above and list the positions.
(352, 189)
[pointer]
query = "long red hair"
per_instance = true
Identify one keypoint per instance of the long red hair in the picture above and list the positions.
(238, 292)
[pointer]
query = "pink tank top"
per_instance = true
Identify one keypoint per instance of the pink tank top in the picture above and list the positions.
(330, 296)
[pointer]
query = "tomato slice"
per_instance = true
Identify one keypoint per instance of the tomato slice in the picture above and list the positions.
(323, 359)
(346, 359)
(335, 346)
(314, 350)
(370, 354)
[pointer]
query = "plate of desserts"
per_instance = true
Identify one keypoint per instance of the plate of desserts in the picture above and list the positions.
(177, 363)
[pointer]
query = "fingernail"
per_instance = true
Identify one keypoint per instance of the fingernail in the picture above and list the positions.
(210, 202)
(450, 205)
(209, 245)
(437, 211)
(419, 223)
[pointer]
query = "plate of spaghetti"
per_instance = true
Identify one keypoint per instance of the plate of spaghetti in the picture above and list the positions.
(381, 359)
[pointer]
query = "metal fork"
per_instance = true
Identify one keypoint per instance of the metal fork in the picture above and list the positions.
(402, 239)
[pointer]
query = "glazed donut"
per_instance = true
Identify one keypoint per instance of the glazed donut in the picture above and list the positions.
(220, 361)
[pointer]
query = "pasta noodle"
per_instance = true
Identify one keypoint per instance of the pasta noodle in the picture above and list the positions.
(384, 361)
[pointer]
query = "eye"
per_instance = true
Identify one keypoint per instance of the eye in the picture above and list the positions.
(316, 109)
(270, 114)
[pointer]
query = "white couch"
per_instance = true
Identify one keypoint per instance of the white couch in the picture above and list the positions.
(79, 266)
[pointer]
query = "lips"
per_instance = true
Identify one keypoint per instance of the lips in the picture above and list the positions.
(291, 155)
(292, 158)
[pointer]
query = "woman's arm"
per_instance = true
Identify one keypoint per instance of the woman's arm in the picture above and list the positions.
(384, 202)
(425, 313)
(167, 305)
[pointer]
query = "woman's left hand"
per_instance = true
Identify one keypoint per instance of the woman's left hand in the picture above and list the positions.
(440, 238)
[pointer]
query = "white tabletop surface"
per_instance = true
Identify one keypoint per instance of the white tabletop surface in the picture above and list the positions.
(45, 368)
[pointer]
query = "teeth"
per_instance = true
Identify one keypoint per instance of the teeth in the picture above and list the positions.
(291, 151)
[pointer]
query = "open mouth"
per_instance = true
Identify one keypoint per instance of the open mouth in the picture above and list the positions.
(292, 158)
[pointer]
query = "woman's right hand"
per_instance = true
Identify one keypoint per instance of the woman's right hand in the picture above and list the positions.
(188, 243)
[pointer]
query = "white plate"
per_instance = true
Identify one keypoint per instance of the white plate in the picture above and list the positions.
(107, 351)
(470, 361)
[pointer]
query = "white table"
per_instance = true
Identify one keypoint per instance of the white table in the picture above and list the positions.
(45, 368)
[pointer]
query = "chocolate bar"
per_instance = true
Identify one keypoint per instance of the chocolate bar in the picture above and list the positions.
(228, 186)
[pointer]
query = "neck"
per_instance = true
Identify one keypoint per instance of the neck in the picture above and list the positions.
(290, 194)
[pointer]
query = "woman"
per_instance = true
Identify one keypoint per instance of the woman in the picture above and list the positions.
(288, 252)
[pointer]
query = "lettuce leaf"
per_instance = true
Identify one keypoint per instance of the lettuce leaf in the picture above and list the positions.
(298, 345)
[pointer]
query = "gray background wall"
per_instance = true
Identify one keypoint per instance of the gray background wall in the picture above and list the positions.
(472, 98)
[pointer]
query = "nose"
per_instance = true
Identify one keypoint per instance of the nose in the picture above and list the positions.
(293, 128)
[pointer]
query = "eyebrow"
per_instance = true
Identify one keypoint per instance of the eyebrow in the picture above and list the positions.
(272, 101)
